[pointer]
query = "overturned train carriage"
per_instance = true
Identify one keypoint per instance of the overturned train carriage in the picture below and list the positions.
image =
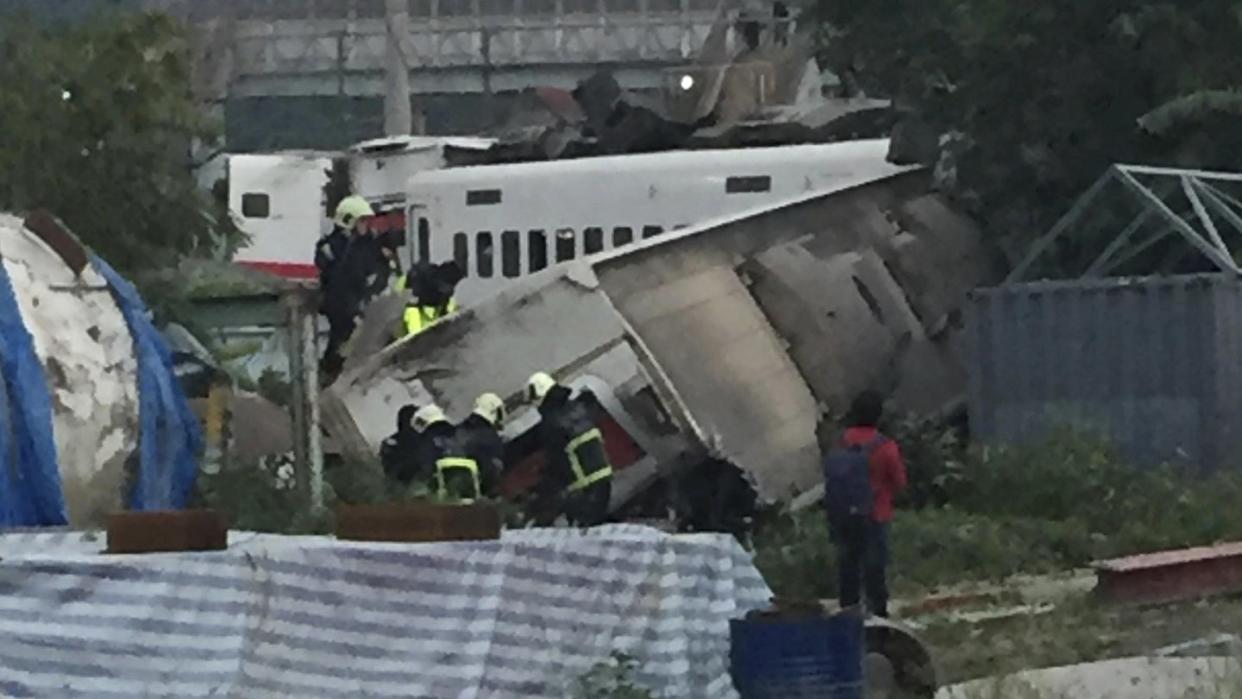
(726, 341)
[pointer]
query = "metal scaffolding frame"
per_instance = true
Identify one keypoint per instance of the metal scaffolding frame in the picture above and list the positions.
(1213, 216)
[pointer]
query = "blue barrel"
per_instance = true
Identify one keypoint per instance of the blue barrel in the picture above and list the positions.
(801, 658)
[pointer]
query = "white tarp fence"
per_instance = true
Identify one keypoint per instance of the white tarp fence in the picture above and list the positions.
(309, 616)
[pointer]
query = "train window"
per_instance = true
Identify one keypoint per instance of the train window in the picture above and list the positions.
(511, 254)
(748, 185)
(483, 247)
(424, 240)
(565, 244)
(592, 240)
(461, 252)
(536, 251)
(622, 236)
(256, 205)
(482, 197)
(651, 231)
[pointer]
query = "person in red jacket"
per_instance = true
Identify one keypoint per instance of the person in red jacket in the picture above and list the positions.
(862, 553)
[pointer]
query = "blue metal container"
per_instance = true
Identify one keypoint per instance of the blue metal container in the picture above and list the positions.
(811, 658)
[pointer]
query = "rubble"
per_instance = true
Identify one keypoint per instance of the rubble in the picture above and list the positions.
(722, 342)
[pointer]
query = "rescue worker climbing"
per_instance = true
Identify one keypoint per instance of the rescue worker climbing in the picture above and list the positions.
(397, 452)
(577, 470)
(431, 297)
(341, 257)
(479, 437)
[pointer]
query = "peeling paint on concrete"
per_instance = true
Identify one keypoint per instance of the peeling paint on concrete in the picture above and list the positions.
(88, 360)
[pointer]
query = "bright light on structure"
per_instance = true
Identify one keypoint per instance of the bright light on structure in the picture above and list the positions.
(687, 82)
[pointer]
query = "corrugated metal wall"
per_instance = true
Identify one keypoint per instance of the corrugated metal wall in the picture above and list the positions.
(1153, 364)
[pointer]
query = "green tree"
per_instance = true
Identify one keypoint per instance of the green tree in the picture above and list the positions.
(96, 126)
(1049, 94)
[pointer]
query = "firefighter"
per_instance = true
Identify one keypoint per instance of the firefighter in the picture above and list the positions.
(338, 259)
(479, 436)
(435, 437)
(397, 452)
(432, 298)
(578, 470)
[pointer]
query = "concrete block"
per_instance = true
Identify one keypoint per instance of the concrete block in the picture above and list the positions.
(166, 531)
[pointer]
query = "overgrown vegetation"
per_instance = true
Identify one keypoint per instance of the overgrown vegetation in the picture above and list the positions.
(97, 126)
(1047, 95)
(988, 513)
(611, 679)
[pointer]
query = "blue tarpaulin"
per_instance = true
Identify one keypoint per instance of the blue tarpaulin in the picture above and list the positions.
(30, 488)
(169, 437)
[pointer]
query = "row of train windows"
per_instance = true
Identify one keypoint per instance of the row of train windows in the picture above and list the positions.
(564, 248)
(750, 184)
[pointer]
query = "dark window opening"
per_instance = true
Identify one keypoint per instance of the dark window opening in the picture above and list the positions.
(483, 246)
(461, 252)
(565, 244)
(511, 254)
(424, 240)
(651, 231)
(256, 205)
(745, 185)
(870, 300)
(536, 250)
(592, 240)
(482, 197)
(622, 236)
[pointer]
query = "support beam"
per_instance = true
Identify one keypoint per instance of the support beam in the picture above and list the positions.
(1206, 219)
(1041, 246)
(398, 119)
(304, 378)
(1144, 195)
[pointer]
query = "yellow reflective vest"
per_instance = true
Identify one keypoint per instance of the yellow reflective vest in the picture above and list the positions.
(417, 318)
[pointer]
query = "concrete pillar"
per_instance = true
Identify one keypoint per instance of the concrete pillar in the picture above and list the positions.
(398, 119)
(304, 378)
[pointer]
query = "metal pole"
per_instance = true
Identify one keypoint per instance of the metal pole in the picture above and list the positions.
(398, 117)
(1076, 212)
(1223, 261)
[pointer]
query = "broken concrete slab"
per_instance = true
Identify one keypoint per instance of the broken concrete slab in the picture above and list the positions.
(938, 259)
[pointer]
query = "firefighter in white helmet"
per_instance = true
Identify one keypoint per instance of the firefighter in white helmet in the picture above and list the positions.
(340, 258)
(578, 471)
(478, 436)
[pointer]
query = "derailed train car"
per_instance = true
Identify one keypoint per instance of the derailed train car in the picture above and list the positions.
(723, 342)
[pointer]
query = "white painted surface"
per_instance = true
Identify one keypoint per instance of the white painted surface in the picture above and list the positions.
(293, 184)
(564, 199)
(87, 355)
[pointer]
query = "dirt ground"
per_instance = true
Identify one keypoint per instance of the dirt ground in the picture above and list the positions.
(1075, 630)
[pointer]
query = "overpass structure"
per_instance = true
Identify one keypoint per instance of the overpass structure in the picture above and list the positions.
(288, 48)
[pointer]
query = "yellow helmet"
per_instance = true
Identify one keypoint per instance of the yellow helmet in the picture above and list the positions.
(350, 210)
(538, 386)
(490, 407)
(427, 416)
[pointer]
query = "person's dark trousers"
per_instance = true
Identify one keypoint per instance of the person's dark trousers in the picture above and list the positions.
(589, 507)
(862, 563)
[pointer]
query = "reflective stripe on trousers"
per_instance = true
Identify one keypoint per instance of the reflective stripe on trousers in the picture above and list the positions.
(456, 463)
(585, 443)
